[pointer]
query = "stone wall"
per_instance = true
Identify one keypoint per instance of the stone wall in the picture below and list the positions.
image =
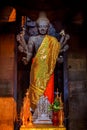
(7, 64)
(77, 75)
(7, 81)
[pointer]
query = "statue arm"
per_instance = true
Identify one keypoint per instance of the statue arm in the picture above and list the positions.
(29, 52)
(22, 47)
(64, 45)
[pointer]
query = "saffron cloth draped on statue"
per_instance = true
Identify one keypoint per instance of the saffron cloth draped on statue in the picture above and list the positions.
(42, 70)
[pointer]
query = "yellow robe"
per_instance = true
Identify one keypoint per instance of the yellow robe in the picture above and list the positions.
(42, 68)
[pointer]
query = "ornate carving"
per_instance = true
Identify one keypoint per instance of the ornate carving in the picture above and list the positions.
(41, 114)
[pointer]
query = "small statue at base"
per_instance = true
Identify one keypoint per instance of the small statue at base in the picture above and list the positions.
(41, 114)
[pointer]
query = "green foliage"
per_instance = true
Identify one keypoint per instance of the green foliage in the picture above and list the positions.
(55, 106)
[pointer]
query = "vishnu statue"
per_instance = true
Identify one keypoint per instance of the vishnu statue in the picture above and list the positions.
(44, 50)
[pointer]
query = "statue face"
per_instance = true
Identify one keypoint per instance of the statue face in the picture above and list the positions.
(43, 27)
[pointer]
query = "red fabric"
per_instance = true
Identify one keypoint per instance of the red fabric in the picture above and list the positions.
(49, 92)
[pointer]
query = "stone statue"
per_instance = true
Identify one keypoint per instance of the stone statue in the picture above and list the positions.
(41, 114)
(44, 50)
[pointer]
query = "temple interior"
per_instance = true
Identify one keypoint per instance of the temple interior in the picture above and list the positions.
(70, 76)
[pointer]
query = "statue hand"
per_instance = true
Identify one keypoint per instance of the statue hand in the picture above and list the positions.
(60, 59)
(65, 48)
(19, 39)
(20, 48)
(25, 61)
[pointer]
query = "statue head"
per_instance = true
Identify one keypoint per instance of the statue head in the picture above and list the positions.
(43, 23)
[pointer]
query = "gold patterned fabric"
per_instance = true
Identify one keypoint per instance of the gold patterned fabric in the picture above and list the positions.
(42, 68)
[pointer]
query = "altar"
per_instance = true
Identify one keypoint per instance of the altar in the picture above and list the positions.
(42, 127)
(42, 118)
